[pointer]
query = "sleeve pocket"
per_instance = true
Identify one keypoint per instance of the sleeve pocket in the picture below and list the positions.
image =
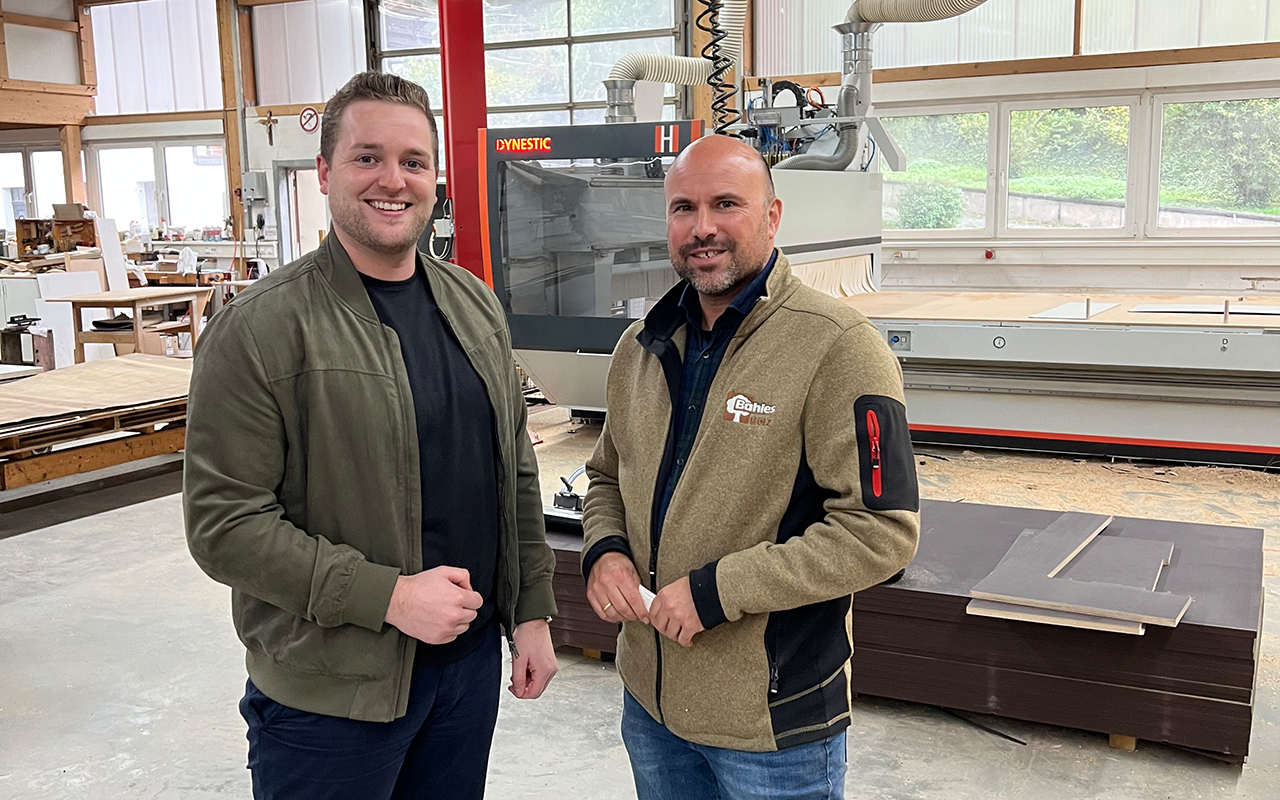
(886, 462)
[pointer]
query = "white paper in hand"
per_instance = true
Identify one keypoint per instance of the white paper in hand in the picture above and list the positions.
(647, 596)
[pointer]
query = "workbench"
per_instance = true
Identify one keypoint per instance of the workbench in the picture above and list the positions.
(194, 298)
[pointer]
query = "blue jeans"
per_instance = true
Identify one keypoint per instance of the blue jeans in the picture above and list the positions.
(439, 748)
(666, 767)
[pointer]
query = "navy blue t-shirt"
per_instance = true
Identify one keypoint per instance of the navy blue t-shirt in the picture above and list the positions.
(456, 448)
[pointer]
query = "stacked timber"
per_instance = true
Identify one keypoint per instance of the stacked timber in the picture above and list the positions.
(1187, 681)
(575, 623)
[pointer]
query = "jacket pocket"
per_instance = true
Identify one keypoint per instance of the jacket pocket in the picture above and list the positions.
(886, 460)
(347, 651)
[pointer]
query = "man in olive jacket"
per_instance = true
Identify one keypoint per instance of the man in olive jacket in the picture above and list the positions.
(755, 470)
(359, 473)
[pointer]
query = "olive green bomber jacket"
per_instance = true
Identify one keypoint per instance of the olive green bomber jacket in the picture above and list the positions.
(301, 485)
(800, 490)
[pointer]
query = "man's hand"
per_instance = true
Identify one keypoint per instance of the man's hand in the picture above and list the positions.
(534, 664)
(614, 589)
(435, 606)
(673, 613)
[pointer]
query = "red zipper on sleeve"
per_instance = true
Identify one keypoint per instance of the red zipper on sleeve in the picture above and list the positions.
(873, 433)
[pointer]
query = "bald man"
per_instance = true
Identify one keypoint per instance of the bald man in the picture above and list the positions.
(754, 471)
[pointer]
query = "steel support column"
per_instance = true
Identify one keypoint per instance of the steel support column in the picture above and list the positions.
(465, 112)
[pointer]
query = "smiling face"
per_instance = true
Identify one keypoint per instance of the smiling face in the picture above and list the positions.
(721, 215)
(381, 179)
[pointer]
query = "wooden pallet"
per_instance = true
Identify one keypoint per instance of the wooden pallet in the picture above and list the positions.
(18, 472)
(89, 416)
(65, 430)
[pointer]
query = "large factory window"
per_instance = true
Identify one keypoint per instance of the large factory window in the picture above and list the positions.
(542, 57)
(1068, 168)
(945, 185)
(1220, 164)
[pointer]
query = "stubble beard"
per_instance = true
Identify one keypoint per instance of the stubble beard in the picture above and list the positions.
(348, 217)
(735, 276)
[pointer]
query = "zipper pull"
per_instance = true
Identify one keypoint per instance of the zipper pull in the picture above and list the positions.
(511, 645)
(773, 678)
(873, 433)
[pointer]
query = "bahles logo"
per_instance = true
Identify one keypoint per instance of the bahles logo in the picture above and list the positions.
(742, 409)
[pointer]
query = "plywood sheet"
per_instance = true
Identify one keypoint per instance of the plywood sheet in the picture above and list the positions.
(1204, 308)
(1015, 307)
(1108, 559)
(1020, 584)
(1075, 310)
(95, 386)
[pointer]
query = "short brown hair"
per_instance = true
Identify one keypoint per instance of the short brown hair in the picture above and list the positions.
(374, 86)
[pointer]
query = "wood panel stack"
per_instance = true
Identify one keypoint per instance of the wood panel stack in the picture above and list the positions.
(1190, 685)
(575, 624)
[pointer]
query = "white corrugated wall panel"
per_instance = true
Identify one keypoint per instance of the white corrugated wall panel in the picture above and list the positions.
(210, 60)
(184, 49)
(932, 43)
(131, 94)
(104, 57)
(307, 50)
(1108, 26)
(795, 36)
(271, 64)
(333, 23)
(157, 56)
(984, 32)
(1045, 28)
(302, 45)
(1233, 22)
(1166, 24)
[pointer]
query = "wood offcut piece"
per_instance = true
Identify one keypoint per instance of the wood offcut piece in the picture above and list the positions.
(1026, 577)
(1108, 559)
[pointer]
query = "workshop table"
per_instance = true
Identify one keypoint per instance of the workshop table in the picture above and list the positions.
(196, 298)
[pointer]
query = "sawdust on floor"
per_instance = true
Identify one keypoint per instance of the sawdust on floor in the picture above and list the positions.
(1212, 495)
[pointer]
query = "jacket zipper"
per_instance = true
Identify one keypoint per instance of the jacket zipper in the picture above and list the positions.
(771, 653)
(873, 432)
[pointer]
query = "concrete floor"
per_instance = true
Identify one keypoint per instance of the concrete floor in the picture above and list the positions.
(120, 672)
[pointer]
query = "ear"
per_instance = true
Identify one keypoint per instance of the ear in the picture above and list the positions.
(322, 170)
(775, 216)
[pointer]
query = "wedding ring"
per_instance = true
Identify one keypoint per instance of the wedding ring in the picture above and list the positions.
(607, 606)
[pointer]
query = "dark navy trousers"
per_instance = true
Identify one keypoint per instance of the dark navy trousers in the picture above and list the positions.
(439, 749)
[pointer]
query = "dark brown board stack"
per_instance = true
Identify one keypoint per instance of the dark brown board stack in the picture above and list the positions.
(575, 624)
(1191, 685)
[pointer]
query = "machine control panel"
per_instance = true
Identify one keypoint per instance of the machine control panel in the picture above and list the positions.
(899, 341)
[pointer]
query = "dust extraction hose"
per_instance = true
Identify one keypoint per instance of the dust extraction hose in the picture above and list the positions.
(680, 70)
(909, 10)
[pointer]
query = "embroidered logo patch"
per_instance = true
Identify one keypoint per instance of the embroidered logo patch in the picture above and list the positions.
(743, 410)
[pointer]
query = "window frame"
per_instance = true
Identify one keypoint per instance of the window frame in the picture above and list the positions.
(1159, 100)
(992, 110)
(1134, 207)
(94, 173)
(28, 150)
(676, 32)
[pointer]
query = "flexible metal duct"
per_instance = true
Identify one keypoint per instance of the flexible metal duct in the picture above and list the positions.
(680, 70)
(909, 10)
(846, 150)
